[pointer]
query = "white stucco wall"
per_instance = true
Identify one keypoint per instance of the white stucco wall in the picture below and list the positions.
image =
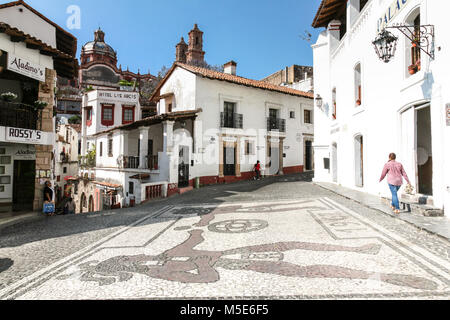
(387, 91)
(30, 23)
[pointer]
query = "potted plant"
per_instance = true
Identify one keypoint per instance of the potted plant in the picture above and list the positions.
(8, 96)
(358, 102)
(413, 69)
(40, 105)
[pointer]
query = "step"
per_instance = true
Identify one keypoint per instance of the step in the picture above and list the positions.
(184, 190)
(422, 205)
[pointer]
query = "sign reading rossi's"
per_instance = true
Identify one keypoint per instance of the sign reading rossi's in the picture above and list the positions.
(23, 135)
(26, 68)
(393, 10)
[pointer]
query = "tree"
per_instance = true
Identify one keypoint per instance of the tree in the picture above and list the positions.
(75, 120)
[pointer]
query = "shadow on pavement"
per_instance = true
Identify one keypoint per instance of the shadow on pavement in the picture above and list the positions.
(5, 264)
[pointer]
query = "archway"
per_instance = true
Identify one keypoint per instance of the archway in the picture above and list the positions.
(83, 203)
(91, 204)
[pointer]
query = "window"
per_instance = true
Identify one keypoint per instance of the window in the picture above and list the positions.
(292, 114)
(107, 115)
(65, 170)
(415, 49)
(229, 111)
(334, 110)
(5, 180)
(2, 188)
(58, 179)
(5, 160)
(101, 149)
(170, 108)
(110, 147)
(2, 150)
(131, 187)
(89, 116)
(308, 118)
(2, 170)
(249, 147)
(358, 85)
(127, 114)
(412, 48)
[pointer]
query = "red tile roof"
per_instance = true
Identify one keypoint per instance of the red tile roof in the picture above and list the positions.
(215, 75)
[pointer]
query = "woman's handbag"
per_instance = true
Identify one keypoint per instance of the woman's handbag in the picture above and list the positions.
(49, 208)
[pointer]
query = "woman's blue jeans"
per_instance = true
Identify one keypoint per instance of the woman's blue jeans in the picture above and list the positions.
(394, 190)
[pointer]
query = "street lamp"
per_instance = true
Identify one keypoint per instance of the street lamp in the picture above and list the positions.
(319, 101)
(385, 45)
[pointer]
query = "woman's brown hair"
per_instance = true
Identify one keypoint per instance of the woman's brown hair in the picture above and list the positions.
(392, 156)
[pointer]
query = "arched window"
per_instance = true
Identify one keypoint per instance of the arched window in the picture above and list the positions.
(358, 85)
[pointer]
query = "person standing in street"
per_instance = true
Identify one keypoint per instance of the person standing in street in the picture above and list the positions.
(49, 204)
(395, 172)
(258, 171)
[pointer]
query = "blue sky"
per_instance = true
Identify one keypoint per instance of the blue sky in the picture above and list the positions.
(262, 36)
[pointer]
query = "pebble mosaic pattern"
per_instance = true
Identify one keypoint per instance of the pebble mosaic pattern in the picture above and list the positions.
(305, 249)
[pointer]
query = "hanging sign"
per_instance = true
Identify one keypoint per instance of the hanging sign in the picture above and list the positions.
(25, 67)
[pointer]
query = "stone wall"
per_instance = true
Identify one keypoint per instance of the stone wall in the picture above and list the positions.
(44, 153)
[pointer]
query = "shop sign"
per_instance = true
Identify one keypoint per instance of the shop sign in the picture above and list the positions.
(28, 136)
(118, 96)
(25, 67)
(25, 153)
(393, 10)
(447, 111)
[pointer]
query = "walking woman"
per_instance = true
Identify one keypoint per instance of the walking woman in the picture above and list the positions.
(395, 172)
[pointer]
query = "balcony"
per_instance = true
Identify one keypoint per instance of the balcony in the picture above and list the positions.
(152, 163)
(19, 115)
(274, 124)
(130, 162)
(234, 120)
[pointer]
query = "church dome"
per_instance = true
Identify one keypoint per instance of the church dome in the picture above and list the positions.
(99, 46)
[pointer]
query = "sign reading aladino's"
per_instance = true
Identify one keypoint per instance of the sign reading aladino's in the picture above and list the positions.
(393, 10)
(26, 68)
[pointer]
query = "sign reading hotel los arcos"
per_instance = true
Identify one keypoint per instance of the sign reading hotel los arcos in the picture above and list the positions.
(393, 10)
(25, 67)
(118, 96)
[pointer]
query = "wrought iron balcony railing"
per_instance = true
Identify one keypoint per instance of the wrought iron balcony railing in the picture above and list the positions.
(231, 120)
(274, 124)
(131, 162)
(19, 115)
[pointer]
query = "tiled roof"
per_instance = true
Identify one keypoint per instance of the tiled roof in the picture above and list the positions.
(11, 31)
(153, 120)
(215, 75)
(327, 11)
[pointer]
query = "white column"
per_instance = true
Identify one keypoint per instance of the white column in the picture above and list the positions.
(143, 147)
(168, 136)
(124, 143)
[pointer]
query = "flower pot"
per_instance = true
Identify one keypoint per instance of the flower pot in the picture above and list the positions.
(412, 71)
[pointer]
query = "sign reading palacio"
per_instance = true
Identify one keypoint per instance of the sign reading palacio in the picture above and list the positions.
(26, 68)
(393, 10)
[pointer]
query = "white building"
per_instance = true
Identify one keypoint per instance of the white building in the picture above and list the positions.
(210, 125)
(66, 151)
(370, 108)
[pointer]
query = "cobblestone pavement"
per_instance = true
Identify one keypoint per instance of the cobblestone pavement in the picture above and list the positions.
(281, 238)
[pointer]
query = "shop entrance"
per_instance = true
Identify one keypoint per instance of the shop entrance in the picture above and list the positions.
(183, 167)
(24, 185)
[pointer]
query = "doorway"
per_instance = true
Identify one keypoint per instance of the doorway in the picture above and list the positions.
(24, 185)
(359, 161)
(309, 156)
(334, 154)
(183, 167)
(424, 151)
(229, 161)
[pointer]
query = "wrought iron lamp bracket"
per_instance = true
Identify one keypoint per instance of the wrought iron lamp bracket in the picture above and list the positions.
(423, 37)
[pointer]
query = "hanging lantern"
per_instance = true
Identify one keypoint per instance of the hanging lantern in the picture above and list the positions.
(385, 45)
(319, 101)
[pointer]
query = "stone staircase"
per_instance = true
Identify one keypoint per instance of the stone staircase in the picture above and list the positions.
(423, 205)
